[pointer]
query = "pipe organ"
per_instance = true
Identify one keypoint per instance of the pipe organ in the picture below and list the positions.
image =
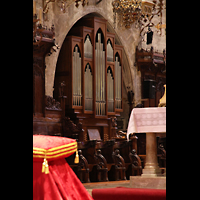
(90, 63)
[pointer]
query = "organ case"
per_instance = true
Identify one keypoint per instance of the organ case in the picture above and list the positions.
(91, 65)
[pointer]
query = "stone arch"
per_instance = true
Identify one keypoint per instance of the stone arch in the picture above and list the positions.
(61, 33)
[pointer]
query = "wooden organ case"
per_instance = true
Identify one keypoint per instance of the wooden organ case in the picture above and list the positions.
(90, 63)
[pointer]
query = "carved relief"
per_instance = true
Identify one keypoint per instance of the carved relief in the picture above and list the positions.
(52, 103)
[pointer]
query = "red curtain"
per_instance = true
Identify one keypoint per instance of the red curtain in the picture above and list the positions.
(61, 182)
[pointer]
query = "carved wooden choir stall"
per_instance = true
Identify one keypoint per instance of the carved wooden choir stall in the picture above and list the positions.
(87, 98)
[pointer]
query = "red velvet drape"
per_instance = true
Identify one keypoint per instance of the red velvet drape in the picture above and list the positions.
(60, 184)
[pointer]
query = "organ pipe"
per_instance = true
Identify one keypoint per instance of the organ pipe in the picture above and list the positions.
(109, 52)
(88, 48)
(118, 80)
(100, 77)
(111, 76)
(110, 91)
(77, 94)
(88, 89)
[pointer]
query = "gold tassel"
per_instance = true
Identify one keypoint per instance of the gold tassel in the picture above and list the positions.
(45, 166)
(46, 171)
(76, 160)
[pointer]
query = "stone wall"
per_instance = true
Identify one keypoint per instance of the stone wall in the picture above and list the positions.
(129, 38)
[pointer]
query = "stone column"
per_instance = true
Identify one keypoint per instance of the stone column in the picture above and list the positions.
(151, 168)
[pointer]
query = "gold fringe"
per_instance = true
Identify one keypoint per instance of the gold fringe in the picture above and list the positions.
(76, 160)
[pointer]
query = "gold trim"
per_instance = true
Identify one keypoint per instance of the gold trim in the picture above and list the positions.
(55, 152)
(51, 153)
(55, 148)
(55, 156)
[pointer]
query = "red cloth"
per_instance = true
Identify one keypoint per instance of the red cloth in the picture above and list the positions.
(52, 147)
(129, 194)
(53, 178)
(60, 184)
